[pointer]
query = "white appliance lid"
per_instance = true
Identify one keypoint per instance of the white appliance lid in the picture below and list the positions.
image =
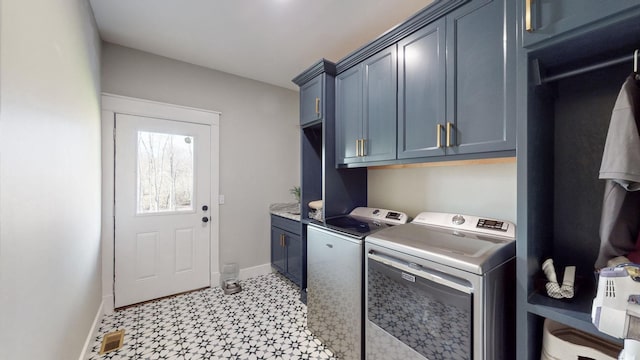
(462, 245)
(363, 221)
(385, 216)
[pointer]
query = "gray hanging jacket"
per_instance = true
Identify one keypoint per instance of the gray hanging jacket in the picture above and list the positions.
(620, 220)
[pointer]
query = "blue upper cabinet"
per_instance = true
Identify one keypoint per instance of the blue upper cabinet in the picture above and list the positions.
(547, 19)
(349, 116)
(379, 126)
(421, 92)
(311, 100)
(315, 105)
(481, 60)
(456, 84)
(366, 110)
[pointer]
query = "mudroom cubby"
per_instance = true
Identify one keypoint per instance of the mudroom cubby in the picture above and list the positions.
(567, 91)
(566, 96)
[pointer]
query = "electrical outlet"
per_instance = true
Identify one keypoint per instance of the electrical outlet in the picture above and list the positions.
(221, 199)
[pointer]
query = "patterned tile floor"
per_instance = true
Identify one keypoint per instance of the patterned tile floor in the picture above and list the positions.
(264, 321)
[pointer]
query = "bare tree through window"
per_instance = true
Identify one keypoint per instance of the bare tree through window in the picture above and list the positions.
(165, 172)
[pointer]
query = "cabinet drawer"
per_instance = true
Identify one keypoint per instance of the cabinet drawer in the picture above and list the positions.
(286, 224)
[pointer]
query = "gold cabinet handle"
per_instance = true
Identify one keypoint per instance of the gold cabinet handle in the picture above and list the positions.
(438, 135)
(284, 240)
(362, 144)
(449, 134)
(528, 23)
(357, 147)
(318, 106)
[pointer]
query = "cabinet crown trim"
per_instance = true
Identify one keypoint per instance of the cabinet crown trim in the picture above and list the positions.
(322, 66)
(431, 12)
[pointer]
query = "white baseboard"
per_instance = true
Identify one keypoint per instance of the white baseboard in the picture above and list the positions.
(94, 330)
(255, 271)
(108, 304)
(215, 279)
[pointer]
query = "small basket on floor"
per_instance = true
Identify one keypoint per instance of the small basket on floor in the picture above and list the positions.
(563, 342)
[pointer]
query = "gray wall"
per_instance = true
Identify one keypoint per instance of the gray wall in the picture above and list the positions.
(49, 178)
(480, 189)
(259, 138)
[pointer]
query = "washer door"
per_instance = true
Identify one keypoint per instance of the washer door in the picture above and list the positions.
(426, 310)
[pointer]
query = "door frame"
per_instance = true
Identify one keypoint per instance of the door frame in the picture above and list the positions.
(116, 104)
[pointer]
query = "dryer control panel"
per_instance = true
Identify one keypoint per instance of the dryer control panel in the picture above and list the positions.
(470, 223)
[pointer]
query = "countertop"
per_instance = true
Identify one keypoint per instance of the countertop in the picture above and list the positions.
(286, 210)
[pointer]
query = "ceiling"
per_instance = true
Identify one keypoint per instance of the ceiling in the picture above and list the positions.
(266, 40)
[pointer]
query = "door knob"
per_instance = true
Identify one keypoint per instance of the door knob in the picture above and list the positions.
(205, 208)
(205, 219)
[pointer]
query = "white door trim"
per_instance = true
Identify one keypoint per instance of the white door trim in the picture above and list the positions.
(112, 104)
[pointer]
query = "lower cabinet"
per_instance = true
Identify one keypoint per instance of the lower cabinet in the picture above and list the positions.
(286, 248)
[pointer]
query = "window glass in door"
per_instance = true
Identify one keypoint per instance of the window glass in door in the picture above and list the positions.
(165, 172)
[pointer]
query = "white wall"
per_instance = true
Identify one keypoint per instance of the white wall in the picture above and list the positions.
(259, 138)
(49, 178)
(482, 189)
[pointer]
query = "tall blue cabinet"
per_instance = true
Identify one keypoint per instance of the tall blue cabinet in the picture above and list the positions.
(341, 190)
(573, 57)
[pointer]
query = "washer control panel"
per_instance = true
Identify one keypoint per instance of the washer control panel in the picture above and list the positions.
(383, 215)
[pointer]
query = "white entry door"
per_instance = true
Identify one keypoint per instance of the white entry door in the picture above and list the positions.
(162, 200)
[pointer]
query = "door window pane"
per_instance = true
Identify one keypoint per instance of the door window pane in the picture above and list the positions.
(165, 172)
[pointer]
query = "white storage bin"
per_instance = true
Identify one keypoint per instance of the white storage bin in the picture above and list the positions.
(561, 342)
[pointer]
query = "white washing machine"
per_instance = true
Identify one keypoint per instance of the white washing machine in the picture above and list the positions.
(441, 287)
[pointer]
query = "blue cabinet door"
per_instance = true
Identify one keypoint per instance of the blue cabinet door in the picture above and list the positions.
(366, 110)
(421, 92)
(287, 256)
(550, 18)
(278, 251)
(349, 116)
(311, 102)
(293, 244)
(480, 78)
(379, 118)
